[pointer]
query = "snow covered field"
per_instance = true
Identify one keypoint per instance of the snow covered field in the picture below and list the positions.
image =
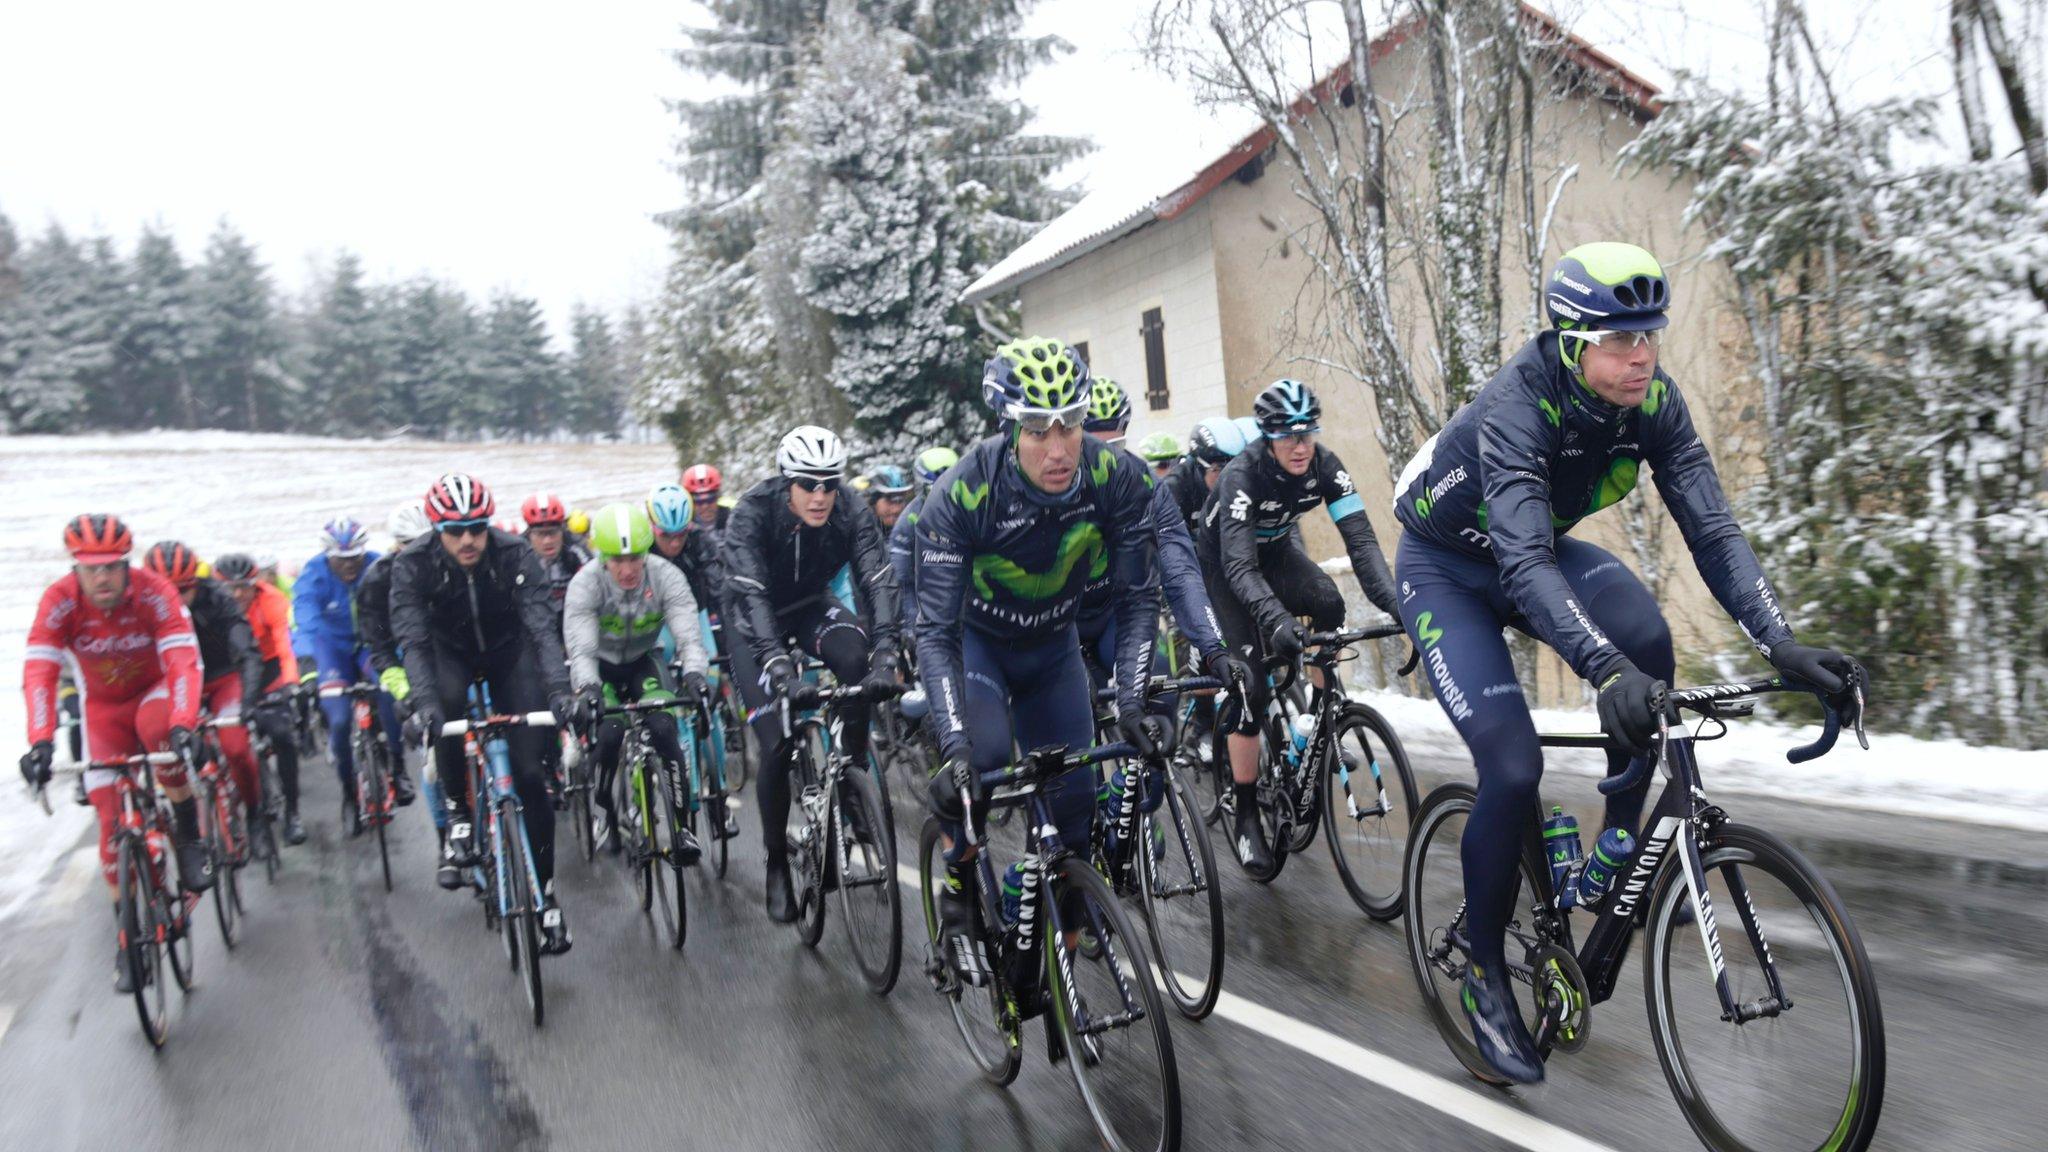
(226, 492)
(221, 491)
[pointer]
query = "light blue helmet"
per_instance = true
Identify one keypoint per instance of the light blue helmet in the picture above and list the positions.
(1287, 407)
(1249, 429)
(342, 538)
(1215, 440)
(670, 508)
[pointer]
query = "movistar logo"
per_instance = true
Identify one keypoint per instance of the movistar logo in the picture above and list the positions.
(1082, 541)
(1103, 464)
(1550, 411)
(967, 497)
(1430, 635)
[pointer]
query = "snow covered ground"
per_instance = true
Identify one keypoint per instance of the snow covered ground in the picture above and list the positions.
(226, 492)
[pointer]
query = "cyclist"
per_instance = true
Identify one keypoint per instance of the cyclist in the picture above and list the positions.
(547, 520)
(1211, 445)
(611, 626)
(679, 539)
(324, 607)
(889, 492)
(1259, 576)
(268, 706)
(1108, 420)
(130, 644)
(790, 534)
(230, 667)
(930, 465)
(407, 523)
(1005, 548)
(1161, 450)
(1559, 433)
(473, 603)
(704, 484)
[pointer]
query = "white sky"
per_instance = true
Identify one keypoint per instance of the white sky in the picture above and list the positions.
(521, 146)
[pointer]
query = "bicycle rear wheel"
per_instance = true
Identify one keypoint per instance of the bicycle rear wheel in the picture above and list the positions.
(736, 738)
(986, 1017)
(579, 811)
(712, 801)
(214, 805)
(1808, 1069)
(1183, 899)
(1109, 1014)
(868, 896)
(1367, 810)
(1433, 891)
(141, 944)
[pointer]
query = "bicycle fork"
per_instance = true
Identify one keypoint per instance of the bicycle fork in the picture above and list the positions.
(504, 800)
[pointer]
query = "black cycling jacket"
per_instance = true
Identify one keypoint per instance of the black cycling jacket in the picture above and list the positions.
(1534, 453)
(774, 563)
(1255, 506)
(503, 603)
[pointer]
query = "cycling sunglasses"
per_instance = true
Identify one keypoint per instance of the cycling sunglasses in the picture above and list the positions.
(1042, 420)
(466, 528)
(1630, 340)
(815, 483)
(1295, 432)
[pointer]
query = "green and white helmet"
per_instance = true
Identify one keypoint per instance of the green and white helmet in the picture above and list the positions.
(1034, 374)
(621, 530)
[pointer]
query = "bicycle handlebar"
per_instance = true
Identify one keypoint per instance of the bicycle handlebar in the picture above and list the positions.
(525, 720)
(1160, 686)
(1708, 700)
(1045, 765)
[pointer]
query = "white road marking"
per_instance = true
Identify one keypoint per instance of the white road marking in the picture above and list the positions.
(1483, 1111)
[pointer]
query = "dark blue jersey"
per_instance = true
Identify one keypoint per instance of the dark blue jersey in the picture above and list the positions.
(997, 555)
(1534, 453)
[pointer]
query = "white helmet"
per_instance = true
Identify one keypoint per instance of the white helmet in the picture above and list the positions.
(409, 521)
(811, 451)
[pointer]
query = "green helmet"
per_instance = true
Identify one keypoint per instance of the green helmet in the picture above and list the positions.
(621, 530)
(1160, 447)
(1034, 373)
(1108, 407)
(933, 462)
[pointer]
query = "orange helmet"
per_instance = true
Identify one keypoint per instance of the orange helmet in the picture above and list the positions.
(172, 561)
(98, 538)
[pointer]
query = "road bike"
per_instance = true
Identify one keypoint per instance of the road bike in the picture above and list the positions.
(1776, 1042)
(847, 839)
(370, 808)
(504, 872)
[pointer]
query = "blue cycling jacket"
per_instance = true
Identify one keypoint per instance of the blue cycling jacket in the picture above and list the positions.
(323, 608)
(1534, 453)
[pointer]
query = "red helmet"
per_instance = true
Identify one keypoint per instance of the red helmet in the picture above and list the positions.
(543, 510)
(97, 538)
(459, 497)
(699, 479)
(172, 561)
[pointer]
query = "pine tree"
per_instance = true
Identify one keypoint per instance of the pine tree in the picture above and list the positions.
(343, 356)
(59, 335)
(239, 339)
(596, 380)
(521, 374)
(159, 340)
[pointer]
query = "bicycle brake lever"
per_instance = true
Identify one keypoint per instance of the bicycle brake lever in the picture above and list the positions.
(1414, 659)
(1860, 737)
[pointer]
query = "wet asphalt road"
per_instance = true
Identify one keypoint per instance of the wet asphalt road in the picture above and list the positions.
(352, 1018)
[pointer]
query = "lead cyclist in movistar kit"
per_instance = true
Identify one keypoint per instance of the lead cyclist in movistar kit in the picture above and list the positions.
(1005, 544)
(1559, 433)
(1259, 577)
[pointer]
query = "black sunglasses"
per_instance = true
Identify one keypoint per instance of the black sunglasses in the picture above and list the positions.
(467, 528)
(816, 483)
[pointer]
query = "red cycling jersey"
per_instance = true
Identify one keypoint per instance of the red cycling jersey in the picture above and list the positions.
(120, 655)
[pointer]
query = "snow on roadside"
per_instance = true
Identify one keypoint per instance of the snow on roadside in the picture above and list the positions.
(1946, 779)
(222, 491)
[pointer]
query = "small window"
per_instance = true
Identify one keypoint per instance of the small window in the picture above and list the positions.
(1081, 346)
(1153, 328)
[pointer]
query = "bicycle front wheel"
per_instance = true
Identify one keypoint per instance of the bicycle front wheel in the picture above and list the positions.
(987, 1017)
(522, 928)
(675, 903)
(1805, 1068)
(214, 803)
(1109, 1014)
(1183, 898)
(868, 894)
(1369, 803)
(376, 785)
(141, 942)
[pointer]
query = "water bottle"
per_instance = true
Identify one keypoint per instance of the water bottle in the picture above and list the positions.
(1561, 847)
(914, 704)
(1013, 892)
(1304, 734)
(1610, 854)
(1109, 805)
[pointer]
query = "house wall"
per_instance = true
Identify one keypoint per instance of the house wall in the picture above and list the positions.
(1100, 298)
(1268, 298)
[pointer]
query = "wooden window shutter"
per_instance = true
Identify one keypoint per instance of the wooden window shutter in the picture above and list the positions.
(1081, 347)
(1153, 328)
